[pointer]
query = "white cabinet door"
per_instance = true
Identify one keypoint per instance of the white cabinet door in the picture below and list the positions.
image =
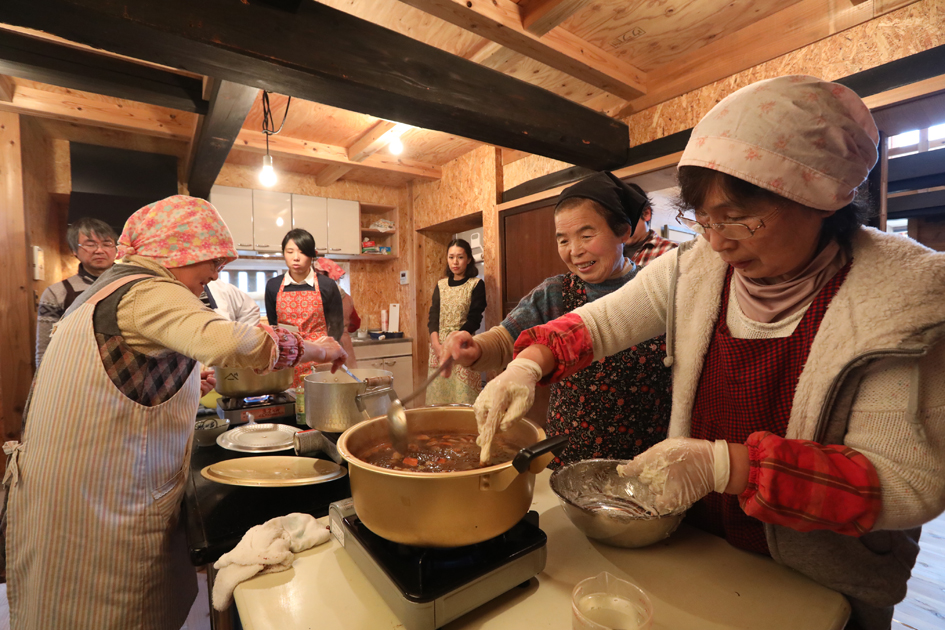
(311, 213)
(402, 369)
(344, 227)
(272, 218)
(235, 205)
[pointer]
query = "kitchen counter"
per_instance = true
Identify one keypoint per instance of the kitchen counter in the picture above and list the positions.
(696, 581)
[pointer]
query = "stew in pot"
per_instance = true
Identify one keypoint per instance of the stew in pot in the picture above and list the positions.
(443, 452)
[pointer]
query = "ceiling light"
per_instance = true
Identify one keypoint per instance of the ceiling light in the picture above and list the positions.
(396, 146)
(267, 175)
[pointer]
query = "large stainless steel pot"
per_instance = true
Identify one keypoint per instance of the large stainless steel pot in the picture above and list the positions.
(448, 509)
(242, 382)
(336, 402)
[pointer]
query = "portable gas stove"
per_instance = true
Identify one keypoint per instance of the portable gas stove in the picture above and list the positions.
(429, 587)
(267, 408)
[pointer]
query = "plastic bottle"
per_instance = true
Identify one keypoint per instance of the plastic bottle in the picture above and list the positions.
(300, 403)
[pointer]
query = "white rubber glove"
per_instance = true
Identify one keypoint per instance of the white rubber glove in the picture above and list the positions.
(504, 400)
(677, 472)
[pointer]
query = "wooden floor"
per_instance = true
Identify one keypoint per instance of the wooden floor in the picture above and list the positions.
(922, 609)
(924, 605)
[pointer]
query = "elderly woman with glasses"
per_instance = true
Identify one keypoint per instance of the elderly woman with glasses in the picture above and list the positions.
(94, 537)
(808, 351)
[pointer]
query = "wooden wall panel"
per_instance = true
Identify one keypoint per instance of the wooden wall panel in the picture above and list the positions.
(374, 285)
(928, 231)
(529, 168)
(915, 28)
(16, 303)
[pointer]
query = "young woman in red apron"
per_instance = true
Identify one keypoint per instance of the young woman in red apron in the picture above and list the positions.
(303, 298)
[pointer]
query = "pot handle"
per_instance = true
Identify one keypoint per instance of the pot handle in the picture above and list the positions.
(536, 457)
(389, 390)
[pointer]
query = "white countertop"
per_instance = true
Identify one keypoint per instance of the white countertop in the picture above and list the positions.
(695, 580)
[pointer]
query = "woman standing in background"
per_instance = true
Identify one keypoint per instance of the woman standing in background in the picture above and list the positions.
(458, 303)
(352, 321)
(302, 298)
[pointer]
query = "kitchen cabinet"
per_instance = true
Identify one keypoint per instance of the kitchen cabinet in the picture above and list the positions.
(272, 218)
(395, 357)
(235, 205)
(311, 213)
(344, 227)
(371, 212)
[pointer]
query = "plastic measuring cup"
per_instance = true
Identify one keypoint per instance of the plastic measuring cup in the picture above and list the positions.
(606, 602)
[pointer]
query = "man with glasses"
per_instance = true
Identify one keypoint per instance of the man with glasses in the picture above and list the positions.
(93, 243)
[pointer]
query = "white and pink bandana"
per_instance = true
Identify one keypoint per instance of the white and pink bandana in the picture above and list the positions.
(798, 136)
(177, 231)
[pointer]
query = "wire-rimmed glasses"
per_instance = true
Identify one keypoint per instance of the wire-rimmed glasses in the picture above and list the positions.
(734, 230)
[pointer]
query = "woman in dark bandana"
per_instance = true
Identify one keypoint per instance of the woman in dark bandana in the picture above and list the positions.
(619, 407)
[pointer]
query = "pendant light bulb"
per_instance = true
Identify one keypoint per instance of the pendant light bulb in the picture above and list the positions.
(267, 175)
(396, 146)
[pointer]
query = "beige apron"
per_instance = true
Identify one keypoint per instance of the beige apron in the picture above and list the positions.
(463, 385)
(94, 539)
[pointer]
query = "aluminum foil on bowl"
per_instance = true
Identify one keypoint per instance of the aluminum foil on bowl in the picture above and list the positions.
(603, 506)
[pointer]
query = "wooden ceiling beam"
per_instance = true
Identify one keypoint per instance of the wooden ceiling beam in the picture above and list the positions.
(501, 22)
(229, 105)
(485, 52)
(540, 17)
(48, 62)
(7, 88)
(77, 107)
(373, 140)
(255, 141)
(327, 56)
(331, 174)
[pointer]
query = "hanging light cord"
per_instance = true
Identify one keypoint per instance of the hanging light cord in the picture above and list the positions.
(268, 124)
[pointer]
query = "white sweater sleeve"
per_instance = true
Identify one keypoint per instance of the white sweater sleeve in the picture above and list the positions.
(632, 314)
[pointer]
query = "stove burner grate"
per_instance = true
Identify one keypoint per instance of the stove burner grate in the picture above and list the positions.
(249, 402)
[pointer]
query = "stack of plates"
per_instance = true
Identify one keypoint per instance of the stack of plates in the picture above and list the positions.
(273, 471)
(258, 438)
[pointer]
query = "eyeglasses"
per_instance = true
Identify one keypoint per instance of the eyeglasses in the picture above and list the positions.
(92, 246)
(732, 230)
(219, 264)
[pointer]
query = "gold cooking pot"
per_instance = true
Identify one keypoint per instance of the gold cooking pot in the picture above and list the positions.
(448, 509)
(243, 382)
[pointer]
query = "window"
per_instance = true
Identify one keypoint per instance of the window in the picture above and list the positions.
(917, 141)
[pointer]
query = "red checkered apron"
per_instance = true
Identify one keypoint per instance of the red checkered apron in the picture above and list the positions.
(304, 310)
(747, 385)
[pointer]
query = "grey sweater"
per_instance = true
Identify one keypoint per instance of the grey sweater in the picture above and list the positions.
(53, 304)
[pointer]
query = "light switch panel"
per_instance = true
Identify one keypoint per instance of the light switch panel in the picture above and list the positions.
(39, 263)
(405, 277)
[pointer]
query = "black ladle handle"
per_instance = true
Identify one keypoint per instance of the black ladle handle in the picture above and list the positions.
(523, 459)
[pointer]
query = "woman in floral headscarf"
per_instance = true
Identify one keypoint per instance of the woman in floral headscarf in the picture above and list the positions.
(808, 351)
(94, 489)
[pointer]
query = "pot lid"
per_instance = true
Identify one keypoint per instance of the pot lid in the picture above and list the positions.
(258, 438)
(273, 471)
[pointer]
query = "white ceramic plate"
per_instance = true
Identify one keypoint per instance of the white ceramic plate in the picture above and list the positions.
(273, 471)
(258, 438)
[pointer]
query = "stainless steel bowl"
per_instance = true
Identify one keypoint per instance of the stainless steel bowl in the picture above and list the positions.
(599, 503)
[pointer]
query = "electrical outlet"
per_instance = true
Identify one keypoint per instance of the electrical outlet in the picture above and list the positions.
(405, 277)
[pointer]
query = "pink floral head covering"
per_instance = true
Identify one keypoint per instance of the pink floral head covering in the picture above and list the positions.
(330, 267)
(798, 136)
(176, 232)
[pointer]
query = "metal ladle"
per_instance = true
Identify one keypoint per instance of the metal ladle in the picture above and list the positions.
(397, 416)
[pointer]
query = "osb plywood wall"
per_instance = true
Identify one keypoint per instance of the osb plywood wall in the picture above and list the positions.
(468, 186)
(915, 28)
(529, 168)
(375, 285)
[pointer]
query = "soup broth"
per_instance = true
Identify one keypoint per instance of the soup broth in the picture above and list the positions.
(438, 452)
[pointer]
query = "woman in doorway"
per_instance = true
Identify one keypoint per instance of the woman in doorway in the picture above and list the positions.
(459, 301)
(619, 407)
(808, 351)
(301, 298)
(95, 538)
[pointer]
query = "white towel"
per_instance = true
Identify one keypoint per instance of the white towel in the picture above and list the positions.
(266, 548)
